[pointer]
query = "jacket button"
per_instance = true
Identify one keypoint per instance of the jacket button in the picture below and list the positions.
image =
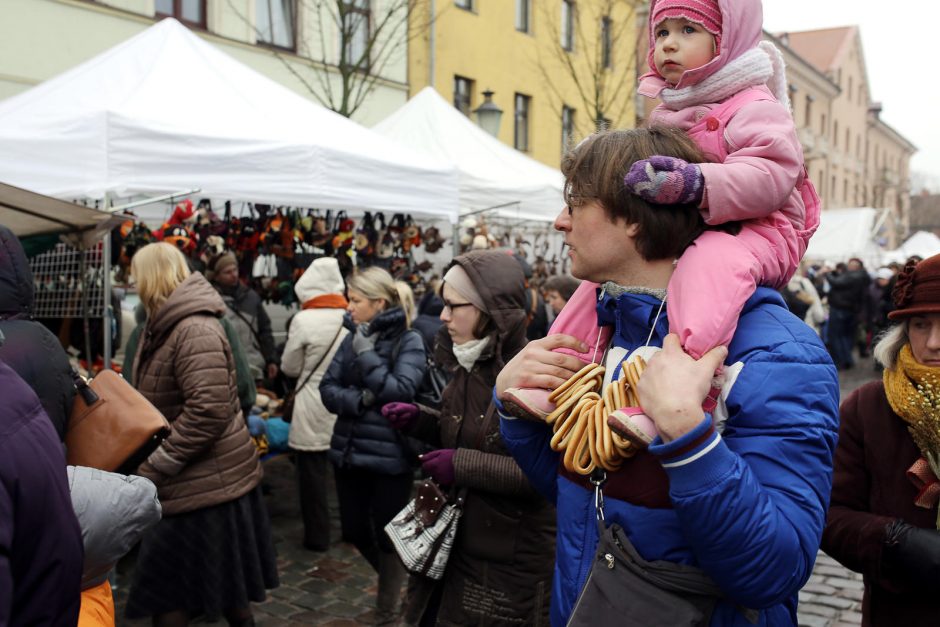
(711, 124)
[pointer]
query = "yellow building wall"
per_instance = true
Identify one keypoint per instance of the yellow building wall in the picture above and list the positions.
(484, 45)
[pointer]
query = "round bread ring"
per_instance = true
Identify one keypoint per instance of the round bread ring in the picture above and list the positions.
(578, 431)
(570, 383)
(568, 403)
(582, 462)
(565, 426)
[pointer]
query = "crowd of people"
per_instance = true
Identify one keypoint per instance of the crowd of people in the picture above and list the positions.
(734, 462)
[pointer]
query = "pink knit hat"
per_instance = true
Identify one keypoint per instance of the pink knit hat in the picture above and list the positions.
(704, 12)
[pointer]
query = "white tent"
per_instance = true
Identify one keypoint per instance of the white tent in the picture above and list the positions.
(166, 111)
(921, 243)
(845, 233)
(491, 173)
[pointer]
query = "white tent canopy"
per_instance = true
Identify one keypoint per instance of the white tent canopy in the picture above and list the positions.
(491, 173)
(843, 234)
(921, 243)
(166, 111)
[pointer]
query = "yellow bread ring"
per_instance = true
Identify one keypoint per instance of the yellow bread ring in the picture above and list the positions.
(570, 383)
(568, 403)
(565, 426)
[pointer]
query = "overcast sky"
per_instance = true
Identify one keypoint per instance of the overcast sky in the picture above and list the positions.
(901, 42)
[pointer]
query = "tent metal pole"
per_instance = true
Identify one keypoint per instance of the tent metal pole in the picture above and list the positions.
(107, 321)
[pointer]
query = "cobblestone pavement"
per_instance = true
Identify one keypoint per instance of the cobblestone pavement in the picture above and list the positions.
(337, 588)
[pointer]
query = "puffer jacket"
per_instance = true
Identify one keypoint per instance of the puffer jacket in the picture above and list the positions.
(500, 569)
(764, 163)
(312, 341)
(184, 366)
(245, 311)
(747, 504)
(40, 540)
(362, 437)
(29, 348)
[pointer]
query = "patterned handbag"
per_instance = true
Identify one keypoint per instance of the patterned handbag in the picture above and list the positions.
(423, 533)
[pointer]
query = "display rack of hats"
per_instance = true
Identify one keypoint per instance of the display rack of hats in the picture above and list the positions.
(274, 245)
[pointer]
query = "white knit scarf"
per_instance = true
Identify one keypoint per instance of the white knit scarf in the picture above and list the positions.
(469, 352)
(762, 65)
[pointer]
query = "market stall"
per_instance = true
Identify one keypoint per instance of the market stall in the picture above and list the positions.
(843, 234)
(166, 111)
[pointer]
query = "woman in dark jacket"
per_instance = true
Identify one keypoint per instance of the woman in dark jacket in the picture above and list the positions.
(883, 520)
(377, 364)
(500, 569)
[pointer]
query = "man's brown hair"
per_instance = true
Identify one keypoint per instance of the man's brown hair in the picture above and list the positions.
(595, 169)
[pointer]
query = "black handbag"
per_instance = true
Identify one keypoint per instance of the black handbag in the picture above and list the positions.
(624, 589)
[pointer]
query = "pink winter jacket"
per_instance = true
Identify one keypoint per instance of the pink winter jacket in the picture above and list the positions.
(764, 161)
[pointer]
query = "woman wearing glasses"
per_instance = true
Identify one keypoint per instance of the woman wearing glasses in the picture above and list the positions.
(500, 569)
(379, 363)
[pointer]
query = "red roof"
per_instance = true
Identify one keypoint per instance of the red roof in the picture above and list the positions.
(822, 48)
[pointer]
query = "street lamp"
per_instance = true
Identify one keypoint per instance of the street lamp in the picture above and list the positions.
(488, 114)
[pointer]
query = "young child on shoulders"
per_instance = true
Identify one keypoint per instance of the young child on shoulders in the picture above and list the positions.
(727, 89)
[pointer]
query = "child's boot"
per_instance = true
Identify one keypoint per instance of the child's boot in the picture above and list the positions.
(579, 319)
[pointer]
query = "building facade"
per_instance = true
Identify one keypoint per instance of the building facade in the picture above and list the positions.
(558, 69)
(302, 44)
(854, 157)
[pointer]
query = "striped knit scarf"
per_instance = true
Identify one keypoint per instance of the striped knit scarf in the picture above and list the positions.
(913, 391)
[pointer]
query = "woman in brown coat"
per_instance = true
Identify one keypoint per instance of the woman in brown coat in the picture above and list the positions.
(500, 569)
(212, 553)
(883, 519)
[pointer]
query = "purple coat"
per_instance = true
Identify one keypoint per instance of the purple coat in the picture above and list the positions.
(40, 541)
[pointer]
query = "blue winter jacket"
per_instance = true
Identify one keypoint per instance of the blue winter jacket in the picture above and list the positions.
(747, 505)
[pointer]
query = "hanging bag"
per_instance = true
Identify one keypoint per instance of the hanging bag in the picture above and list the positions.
(624, 589)
(112, 426)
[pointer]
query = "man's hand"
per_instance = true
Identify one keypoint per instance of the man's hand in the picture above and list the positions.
(536, 366)
(673, 386)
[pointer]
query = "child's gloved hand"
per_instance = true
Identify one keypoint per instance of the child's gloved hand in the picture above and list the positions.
(400, 415)
(666, 181)
(439, 465)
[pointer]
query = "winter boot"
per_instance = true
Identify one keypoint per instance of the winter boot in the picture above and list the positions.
(578, 319)
(391, 578)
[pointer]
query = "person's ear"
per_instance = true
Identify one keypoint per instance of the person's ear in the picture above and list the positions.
(633, 229)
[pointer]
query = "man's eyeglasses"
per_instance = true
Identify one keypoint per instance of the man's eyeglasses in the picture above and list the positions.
(452, 306)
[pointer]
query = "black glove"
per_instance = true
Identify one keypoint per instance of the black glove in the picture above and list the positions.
(368, 398)
(912, 556)
(362, 341)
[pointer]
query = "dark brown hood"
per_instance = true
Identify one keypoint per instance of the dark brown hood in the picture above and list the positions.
(500, 281)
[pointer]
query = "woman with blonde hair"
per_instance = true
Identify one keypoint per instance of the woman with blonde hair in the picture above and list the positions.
(381, 362)
(883, 520)
(212, 553)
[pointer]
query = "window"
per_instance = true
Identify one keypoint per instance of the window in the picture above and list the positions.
(523, 13)
(188, 11)
(832, 188)
(567, 25)
(567, 127)
(822, 124)
(463, 88)
(848, 142)
(848, 92)
(356, 16)
(521, 117)
(845, 191)
(606, 59)
(808, 114)
(821, 177)
(464, 4)
(275, 22)
(835, 134)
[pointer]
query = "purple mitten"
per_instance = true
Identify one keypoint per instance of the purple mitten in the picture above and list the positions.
(439, 465)
(666, 181)
(400, 415)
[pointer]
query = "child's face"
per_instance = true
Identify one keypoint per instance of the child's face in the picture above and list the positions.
(681, 45)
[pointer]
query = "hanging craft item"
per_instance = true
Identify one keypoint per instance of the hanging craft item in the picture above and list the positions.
(579, 421)
(411, 234)
(433, 241)
(365, 237)
(343, 232)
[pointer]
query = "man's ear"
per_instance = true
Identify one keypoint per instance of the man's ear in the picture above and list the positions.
(633, 229)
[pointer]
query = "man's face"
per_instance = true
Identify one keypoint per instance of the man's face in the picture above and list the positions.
(600, 249)
(228, 276)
